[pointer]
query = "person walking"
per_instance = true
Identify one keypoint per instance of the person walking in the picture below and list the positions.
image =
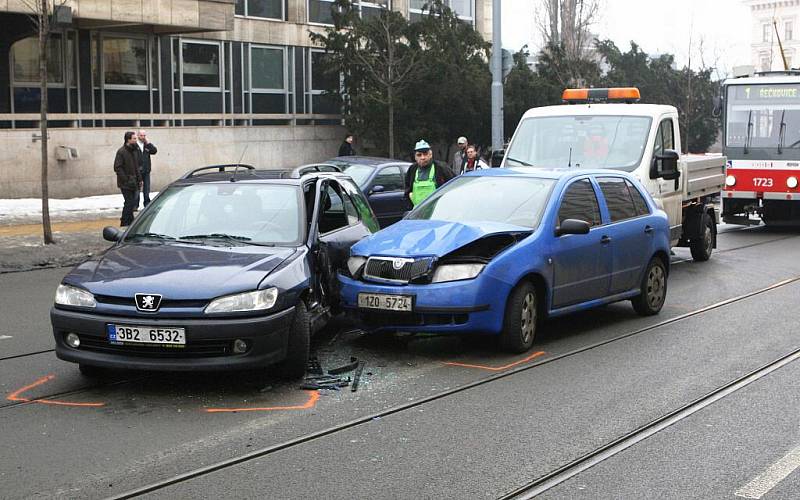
(146, 149)
(461, 154)
(473, 161)
(424, 176)
(129, 177)
(346, 149)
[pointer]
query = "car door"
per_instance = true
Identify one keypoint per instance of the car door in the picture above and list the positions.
(386, 195)
(631, 235)
(337, 225)
(581, 262)
(669, 192)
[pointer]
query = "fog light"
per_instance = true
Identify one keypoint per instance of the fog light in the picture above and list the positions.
(73, 340)
(730, 180)
(239, 346)
(791, 182)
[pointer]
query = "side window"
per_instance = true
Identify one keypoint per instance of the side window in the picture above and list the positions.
(349, 209)
(390, 178)
(667, 134)
(618, 198)
(638, 200)
(361, 205)
(658, 147)
(332, 211)
(579, 202)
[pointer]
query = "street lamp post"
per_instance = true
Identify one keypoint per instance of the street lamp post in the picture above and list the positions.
(497, 79)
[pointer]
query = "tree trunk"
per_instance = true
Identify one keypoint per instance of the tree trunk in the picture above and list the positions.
(390, 100)
(47, 231)
(552, 12)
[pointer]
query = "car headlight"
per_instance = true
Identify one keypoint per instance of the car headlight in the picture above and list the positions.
(354, 264)
(70, 296)
(259, 300)
(456, 272)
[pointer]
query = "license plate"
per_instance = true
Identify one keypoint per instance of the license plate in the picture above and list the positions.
(131, 334)
(386, 302)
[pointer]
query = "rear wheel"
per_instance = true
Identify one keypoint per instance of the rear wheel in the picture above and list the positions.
(296, 361)
(653, 290)
(519, 325)
(702, 247)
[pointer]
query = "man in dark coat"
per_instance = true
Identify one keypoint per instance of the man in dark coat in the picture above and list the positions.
(346, 149)
(146, 148)
(418, 175)
(129, 177)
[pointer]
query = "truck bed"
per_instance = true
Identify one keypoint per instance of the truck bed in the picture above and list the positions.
(705, 175)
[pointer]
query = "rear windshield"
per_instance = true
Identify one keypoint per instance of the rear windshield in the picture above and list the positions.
(359, 173)
(508, 199)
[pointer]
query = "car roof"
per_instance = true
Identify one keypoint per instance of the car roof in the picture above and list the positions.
(608, 109)
(253, 175)
(546, 173)
(371, 161)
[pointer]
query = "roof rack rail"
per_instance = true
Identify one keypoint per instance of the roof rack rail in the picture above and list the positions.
(314, 167)
(220, 168)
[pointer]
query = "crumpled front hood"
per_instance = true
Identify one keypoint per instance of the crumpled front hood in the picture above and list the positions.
(414, 238)
(179, 272)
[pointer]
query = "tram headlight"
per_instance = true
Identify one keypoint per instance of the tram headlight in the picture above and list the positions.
(730, 181)
(791, 182)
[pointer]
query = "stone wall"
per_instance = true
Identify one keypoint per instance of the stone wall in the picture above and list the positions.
(179, 150)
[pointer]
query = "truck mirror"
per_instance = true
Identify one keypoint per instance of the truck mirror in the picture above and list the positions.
(665, 165)
(497, 157)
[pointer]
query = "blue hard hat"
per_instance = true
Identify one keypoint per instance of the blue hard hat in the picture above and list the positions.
(422, 145)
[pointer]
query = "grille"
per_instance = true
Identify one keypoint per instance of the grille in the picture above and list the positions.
(192, 349)
(392, 319)
(165, 303)
(383, 268)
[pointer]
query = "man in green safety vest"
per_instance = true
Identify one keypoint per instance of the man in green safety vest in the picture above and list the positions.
(425, 176)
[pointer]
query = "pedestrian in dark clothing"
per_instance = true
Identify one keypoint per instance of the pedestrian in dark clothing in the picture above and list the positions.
(425, 175)
(346, 149)
(129, 177)
(146, 148)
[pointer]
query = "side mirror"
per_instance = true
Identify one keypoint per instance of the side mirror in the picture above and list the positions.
(665, 165)
(497, 157)
(573, 226)
(377, 189)
(111, 233)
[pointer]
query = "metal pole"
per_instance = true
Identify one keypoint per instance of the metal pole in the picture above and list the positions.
(497, 78)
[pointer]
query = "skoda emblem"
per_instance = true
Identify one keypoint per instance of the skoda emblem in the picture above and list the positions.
(398, 264)
(148, 302)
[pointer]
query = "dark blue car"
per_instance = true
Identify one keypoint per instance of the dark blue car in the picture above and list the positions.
(228, 268)
(383, 182)
(497, 250)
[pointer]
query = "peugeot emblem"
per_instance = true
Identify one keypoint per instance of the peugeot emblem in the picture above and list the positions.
(398, 264)
(148, 302)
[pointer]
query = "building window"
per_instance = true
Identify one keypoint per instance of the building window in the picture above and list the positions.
(25, 61)
(320, 86)
(765, 63)
(788, 30)
(267, 68)
(464, 9)
(269, 9)
(320, 11)
(200, 63)
(125, 61)
(765, 32)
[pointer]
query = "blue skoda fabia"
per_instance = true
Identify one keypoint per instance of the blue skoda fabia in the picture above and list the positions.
(495, 251)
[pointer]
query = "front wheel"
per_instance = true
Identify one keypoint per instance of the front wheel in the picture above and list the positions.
(297, 350)
(519, 325)
(653, 290)
(702, 247)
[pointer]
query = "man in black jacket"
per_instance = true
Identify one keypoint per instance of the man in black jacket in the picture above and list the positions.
(129, 177)
(346, 149)
(146, 149)
(420, 182)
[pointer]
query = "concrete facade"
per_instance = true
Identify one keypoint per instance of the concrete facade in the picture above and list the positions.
(765, 52)
(205, 78)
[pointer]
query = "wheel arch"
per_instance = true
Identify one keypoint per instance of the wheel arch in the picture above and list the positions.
(542, 289)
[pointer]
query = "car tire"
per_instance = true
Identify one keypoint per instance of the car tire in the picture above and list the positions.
(702, 247)
(653, 290)
(297, 349)
(519, 325)
(90, 371)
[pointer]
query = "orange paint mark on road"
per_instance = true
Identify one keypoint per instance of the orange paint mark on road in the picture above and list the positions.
(313, 397)
(17, 396)
(496, 368)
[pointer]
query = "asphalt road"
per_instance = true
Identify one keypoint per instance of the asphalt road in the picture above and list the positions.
(434, 416)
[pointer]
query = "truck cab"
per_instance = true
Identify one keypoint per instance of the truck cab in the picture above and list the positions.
(607, 128)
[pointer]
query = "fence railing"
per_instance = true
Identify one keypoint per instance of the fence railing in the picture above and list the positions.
(79, 120)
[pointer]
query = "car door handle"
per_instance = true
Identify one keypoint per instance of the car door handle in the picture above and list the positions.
(648, 229)
(605, 240)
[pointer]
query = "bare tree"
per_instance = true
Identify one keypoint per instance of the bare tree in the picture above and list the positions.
(42, 17)
(567, 22)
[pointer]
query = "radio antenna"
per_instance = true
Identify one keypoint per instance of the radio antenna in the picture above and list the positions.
(239, 163)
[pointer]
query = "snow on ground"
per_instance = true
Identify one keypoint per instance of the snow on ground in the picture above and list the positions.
(29, 210)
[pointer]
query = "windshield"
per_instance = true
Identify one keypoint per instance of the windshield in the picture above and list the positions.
(765, 107)
(266, 214)
(580, 141)
(507, 199)
(359, 173)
